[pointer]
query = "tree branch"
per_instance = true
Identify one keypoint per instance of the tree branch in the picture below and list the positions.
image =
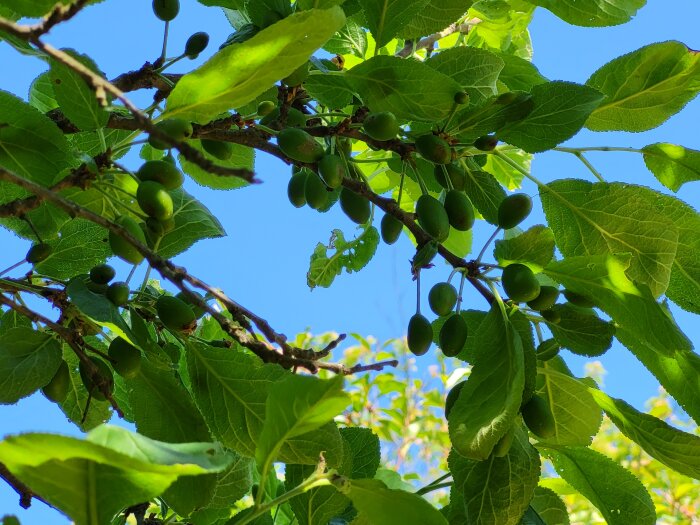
(429, 41)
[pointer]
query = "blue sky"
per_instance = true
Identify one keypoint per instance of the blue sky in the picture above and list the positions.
(263, 262)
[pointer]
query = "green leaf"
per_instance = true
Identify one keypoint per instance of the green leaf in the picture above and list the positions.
(476, 70)
(672, 447)
(560, 111)
(576, 415)
(28, 361)
(645, 88)
(297, 405)
(673, 165)
(519, 74)
(31, 145)
(80, 246)
(90, 142)
(330, 89)
(549, 507)
(75, 97)
(642, 325)
(378, 505)
(351, 39)
(32, 8)
(233, 483)
(602, 218)
(162, 408)
(582, 332)
(488, 117)
(230, 389)
(412, 90)
(351, 256)
(459, 242)
(362, 446)
(439, 15)
(531, 517)
(491, 398)
(385, 18)
(684, 286)
(240, 72)
(534, 248)
(485, 193)
(242, 157)
(193, 222)
(496, 491)
(619, 496)
(259, 11)
(41, 93)
(506, 174)
(12, 319)
(317, 506)
(114, 468)
(593, 13)
(74, 405)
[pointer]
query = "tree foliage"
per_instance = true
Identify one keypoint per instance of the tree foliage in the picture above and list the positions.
(427, 113)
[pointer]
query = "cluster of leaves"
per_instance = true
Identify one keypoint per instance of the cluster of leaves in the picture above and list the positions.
(428, 113)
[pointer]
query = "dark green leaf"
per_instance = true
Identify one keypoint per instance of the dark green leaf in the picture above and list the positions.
(549, 507)
(593, 13)
(28, 361)
(534, 248)
(242, 157)
(476, 70)
(362, 445)
(560, 111)
(645, 87)
(485, 193)
(582, 332)
(619, 496)
(386, 18)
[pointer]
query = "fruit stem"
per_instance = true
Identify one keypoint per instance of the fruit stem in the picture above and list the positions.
(131, 273)
(168, 64)
(448, 180)
(437, 486)
(266, 129)
(540, 338)
(486, 245)
(423, 187)
(165, 41)
(403, 176)
(461, 289)
(418, 292)
(453, 111)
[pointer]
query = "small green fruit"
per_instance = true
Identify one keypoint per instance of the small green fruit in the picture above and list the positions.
(503, 446)
(198, 310)
(166, 10)
(461, 98)
(295, 118)
(103, 377)
(175, 314)
(432, 217)
(38, 252)
(419, 334)
(120, 247)
(102, 274)
(195, 44)
(118, 293)
(381, 126)
(126, 358)
(391, 228)
(538, 417)
(442, 298)
(513, 210)
(315, 192)
(176, 128)
(161, 171)
(154, 200)
(266, 107)
(296, 189)
(551, 316)
(217, 148)
(453, 335)
(547, 298)
(455, 173)
(578, 299)
(57, 389)
(520, 283)
(298, 145)
(486, 143)
(434, 149)
(548, 349)
(331, 168)
(355, 206)
(452, 397)
(460, 210)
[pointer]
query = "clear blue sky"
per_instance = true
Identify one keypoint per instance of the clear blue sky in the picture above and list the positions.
(263, 262)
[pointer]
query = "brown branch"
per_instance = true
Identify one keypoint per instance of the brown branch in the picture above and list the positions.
(344, 370)
(60, 13)
(429, 41)
(145, 78)
(23, 491)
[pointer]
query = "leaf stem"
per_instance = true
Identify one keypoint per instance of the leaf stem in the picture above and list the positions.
(486, 245)
(165, 41)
